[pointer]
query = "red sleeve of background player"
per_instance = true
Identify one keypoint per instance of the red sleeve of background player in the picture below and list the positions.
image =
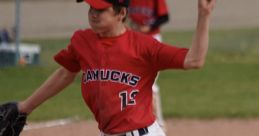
(161, 7)
(167, 56)
(68, 59)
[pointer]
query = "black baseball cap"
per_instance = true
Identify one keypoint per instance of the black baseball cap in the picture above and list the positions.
(103, 4)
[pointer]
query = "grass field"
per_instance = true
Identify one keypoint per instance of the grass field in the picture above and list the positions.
(227, 87)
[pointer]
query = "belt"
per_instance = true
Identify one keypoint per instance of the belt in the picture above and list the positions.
(138, 132)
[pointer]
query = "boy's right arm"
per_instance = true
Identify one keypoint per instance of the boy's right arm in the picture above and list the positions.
(60, 79)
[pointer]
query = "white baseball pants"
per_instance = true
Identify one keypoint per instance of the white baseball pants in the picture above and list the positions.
(152, 130)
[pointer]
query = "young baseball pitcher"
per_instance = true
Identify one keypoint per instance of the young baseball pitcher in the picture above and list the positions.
(119, 67)
(147, 16)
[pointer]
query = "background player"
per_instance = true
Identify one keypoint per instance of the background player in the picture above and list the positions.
(147, 16)
(119, 67)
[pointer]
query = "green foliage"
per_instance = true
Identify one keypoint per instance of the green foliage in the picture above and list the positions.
(227, 87)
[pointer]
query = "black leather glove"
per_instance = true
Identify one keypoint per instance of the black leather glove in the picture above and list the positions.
(11, 121)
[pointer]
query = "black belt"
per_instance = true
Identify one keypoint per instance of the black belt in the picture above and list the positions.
(141, 132)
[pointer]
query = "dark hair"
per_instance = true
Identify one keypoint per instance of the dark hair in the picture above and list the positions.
(118, 9)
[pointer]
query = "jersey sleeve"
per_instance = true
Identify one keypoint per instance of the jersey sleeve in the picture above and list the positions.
(167, 56)
(68, 59)
(161, 8)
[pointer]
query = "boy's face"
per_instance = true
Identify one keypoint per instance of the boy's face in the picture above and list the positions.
(103, 20)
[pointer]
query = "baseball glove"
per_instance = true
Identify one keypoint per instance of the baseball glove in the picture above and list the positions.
(11, 121)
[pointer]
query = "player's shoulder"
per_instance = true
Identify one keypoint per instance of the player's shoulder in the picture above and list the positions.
(140, 37)
(82, 36)
(83, 33)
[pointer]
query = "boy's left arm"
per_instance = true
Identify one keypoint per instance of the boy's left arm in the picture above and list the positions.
(196, 55)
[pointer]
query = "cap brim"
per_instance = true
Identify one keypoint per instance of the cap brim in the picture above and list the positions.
(98, 4)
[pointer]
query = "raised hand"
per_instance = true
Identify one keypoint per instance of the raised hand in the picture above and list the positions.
(206, 7)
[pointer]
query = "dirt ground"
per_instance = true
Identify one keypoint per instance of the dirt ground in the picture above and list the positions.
(175, 127)
(46, 19)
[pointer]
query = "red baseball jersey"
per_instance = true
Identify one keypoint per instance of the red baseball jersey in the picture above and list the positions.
(145, 12)
(118, 74)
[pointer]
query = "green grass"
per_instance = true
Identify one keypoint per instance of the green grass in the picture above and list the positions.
(19, 82)
(219, 90)
(227, 87)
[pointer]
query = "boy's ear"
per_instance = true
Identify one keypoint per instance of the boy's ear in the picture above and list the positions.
(123, 12)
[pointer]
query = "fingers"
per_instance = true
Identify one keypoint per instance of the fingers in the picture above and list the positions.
(206, 7)
(212, 4)
(206, 2)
